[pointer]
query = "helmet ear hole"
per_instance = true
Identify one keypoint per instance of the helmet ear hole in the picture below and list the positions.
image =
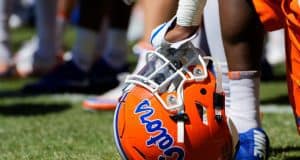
(202, 113)
(203, 91)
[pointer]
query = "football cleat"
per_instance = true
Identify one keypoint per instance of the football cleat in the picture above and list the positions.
(108, 100)
(68, 77)
(254, 145)
(65, 78)
(174, 109)
(103, 77)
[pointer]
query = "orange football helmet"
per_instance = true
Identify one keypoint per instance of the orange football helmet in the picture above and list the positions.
(173, 109)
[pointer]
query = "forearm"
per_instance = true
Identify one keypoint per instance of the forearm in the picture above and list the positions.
(157, 12)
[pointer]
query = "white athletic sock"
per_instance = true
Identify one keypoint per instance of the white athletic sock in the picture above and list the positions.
(116, 50)
(102, 37)
(84, 48)
(46, 29)
(5, 52)
(244, 100)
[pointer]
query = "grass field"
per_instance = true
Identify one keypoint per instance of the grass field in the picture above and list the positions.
(55, 126)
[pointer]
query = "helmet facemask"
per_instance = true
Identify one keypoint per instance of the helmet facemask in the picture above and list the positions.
(166, 72)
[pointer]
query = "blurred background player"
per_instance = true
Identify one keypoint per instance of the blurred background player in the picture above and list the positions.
(87, 71)
(14, 14)
(43, 52)
(154, 13)
(242, 38)
(41, 57)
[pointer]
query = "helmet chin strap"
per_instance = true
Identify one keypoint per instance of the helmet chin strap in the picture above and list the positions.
(181, 121)
(180, 131)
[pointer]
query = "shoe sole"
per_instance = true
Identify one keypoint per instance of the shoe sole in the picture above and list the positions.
(86, 105)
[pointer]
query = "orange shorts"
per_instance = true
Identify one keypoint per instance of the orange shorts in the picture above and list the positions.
(270, 14)
(275, 14)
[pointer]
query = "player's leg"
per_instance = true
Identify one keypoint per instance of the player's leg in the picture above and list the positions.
(5, 51)
(293, 78)
(73, 75)
(115, 53)
(114, 56)
(45, 56)
(91, 14)
(243, 36)
(293, 55)
(40, 55)
(112, 61)
(273, 16)
(155, 13)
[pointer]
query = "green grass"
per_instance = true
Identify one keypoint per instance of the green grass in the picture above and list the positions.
(54, 130)
(55, 126)
(275, 92)
(285, 142)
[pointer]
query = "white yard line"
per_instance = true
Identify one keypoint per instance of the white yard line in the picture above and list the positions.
(273, 108)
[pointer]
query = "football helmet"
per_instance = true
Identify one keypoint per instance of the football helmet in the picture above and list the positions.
(174, 109)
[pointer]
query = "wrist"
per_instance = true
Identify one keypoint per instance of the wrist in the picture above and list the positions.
(180, 33)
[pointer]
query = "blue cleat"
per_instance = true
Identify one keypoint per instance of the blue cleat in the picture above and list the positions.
(254, 145)
(71, 79)
(103, 77)
(65, 78)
